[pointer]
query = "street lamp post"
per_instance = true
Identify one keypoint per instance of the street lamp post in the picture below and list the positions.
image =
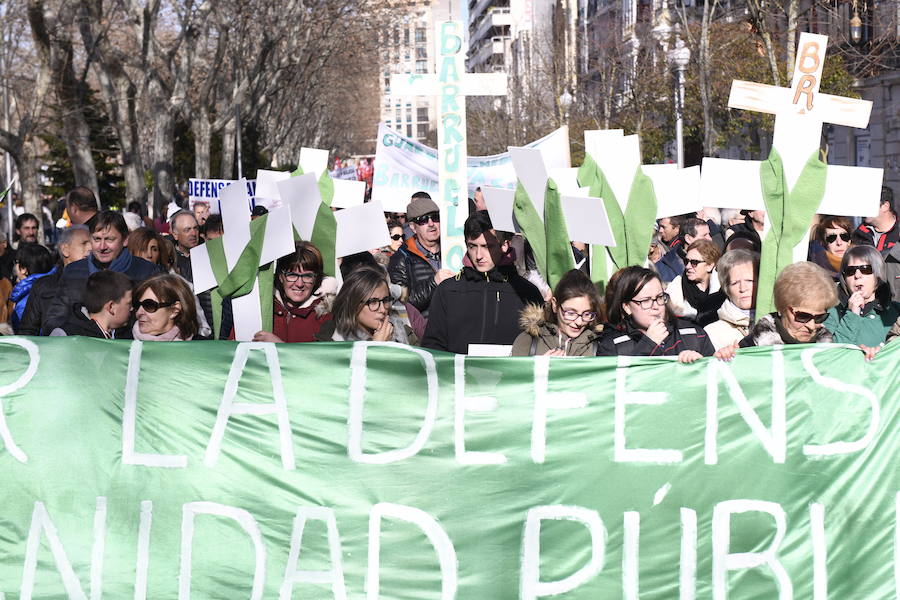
(679, 56)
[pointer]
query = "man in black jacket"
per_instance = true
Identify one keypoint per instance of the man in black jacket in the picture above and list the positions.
(416, 266)
(481, 304)
(108, 251)
(74, 244)
(106, 308)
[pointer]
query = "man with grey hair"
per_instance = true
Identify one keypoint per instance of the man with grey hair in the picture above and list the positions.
(186, 233)
(74, 244)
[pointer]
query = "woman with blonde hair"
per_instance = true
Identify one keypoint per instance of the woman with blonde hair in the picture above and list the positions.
(694, 295)
(165, 309)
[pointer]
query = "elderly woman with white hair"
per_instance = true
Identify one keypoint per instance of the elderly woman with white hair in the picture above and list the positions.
(865, 312)
(804, 292)
(738, 270)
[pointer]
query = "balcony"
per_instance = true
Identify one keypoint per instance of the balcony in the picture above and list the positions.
(494, 20)
(488, 49)
(477, 8)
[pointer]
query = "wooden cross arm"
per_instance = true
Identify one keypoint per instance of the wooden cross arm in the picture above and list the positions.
(472, 84)
(771, 99)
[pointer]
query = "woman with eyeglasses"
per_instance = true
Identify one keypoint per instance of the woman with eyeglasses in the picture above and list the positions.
(803, 293)
(694, 295)
(165, 309)
(864, 313)
(831, 242)
(301, 298)
(567, 325)
(639, 322)
(362, 311)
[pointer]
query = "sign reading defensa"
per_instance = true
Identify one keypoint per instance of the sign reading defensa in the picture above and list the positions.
(371, 470)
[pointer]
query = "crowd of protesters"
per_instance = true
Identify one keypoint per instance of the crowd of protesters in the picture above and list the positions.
(123, 276)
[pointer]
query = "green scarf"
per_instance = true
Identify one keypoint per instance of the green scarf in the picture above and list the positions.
(324, 233)
(632, 229)
(239, 281)
(789, 213)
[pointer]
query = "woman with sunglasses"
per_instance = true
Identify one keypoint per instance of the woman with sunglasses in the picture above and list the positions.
(831, 242)
(362, 311)
(803, 294)
(694, 295)
(865, 313)
(567, 325)
(165, 309)
(639, 321)
(300, 303)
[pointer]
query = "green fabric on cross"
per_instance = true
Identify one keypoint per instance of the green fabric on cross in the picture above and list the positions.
(324, 233)
(548, 237)
(632, 229)
(789, 214)
(240, 280)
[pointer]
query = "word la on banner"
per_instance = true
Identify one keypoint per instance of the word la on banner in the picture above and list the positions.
(291, 468)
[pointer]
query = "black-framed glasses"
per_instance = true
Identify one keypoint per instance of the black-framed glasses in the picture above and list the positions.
(693, 262)
(374, 304)
(832, 237)
(434, 217)
(292, 277)
(805, 317)
(849, 270)
(647, 303)
(570, 315)
(151, 306)
(397, 237)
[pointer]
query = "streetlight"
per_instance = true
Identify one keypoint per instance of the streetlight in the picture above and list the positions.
(856, 26)
(662, 28)
(679, 56)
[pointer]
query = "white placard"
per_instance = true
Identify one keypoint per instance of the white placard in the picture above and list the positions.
(314, 160)
(586, 220)
(348, 193)
(361, 228)
(499, 203)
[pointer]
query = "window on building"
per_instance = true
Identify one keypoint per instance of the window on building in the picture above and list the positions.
(399, 116)
(406, 36)
(423, 131)
(420, 35)
(421, 53)
(406, 55)
(421, 66)
(408, 116)
(422, 113)
(396, 37)
(409, 130)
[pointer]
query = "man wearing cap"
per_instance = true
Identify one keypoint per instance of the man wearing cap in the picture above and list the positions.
(416, 266)
(881, 231)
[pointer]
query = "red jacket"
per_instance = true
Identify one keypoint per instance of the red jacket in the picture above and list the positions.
(297, 324)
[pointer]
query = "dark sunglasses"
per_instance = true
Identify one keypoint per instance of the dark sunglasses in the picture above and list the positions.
(397, 236)
(831, 237)
(693, 262)
(805, 317)
(151, 306)
(433, 216)
(849, 270)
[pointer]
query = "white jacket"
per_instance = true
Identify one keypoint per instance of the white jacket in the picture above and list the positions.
(733, 326)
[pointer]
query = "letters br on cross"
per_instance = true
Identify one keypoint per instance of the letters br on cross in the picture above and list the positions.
(451, 84)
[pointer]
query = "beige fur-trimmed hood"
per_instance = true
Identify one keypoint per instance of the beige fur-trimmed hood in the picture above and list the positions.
(531, 319)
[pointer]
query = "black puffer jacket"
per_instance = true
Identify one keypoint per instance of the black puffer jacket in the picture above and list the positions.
(683, 335)
(478, 308)
(410, 269)
(42, 294)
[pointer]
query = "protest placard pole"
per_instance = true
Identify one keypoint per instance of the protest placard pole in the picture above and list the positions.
(451, 85)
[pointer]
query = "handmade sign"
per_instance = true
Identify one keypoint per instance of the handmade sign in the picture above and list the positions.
(634, 195)
(374, 470)
(207, 191)
(237, 265)
(404, 166)
(793, 184)
(550, 209)
(450, 86)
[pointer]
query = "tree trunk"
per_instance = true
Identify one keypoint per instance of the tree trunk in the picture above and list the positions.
(228, 140)
(791, 49)
(27, 165)
(202, 130)
(710, 135)
(163, 148)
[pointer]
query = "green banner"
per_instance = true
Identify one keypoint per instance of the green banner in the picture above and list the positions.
(372, 470)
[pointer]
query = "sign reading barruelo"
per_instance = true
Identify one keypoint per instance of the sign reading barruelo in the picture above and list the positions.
(298, 470)
(450, 86)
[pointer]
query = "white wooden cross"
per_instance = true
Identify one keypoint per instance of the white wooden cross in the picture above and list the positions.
(278, 241)
(799, 113)
(451, 84)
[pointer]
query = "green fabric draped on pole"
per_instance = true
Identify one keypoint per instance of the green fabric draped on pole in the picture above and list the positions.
(227, 470)
(789, 214)
(239, 281)
(547, 236)
(324, 234)
(632, 229)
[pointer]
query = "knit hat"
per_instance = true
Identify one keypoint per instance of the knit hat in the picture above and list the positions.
(420, 206)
